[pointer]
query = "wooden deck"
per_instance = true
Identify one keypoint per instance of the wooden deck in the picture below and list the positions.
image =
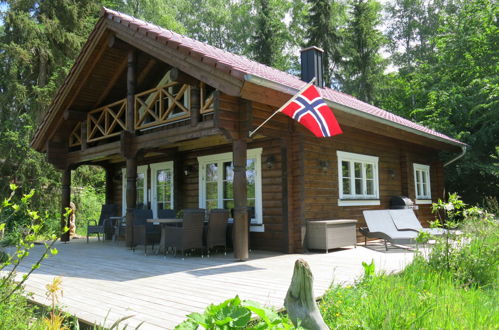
(103, 282)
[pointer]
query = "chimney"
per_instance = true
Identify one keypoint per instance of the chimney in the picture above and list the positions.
(311, 65)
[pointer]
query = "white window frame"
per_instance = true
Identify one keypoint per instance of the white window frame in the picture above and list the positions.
(351, 199)
(140, 169)
(422, 199)
(257, 222)
(154, 170)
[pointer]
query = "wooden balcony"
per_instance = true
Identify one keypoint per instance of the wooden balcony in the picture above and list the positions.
(167, 104)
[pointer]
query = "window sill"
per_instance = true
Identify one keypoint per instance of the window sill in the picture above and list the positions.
(358, 202)
(423, 201)
(255, 227)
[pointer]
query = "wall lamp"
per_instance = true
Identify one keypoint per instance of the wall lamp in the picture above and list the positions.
(324, 165)
(270, 161)
(188, 170)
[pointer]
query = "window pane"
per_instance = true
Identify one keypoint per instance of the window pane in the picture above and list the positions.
(228, 171)
(211, 190)
(140, 185)
(370, 187)
(163, 189)
(345, 169)
(250, 177)
(423, 177)
(228, 190)
(358, 170)
(346, 186)
(418, 177)
(211, 204)
(228, 204)
(425, 193)
(369, 171)
(358, 187)
(211, 172)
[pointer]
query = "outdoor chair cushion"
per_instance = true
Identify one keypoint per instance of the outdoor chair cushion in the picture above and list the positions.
(405, 219)
(380, 225)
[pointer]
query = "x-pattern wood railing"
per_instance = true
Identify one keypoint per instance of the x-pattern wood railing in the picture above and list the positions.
(162, 105)
(106, 121)
(153, 107)
(75, 136)
(206, 98)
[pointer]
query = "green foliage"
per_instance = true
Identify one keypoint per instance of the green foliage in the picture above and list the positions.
(325, 21)
(271, 35)
(236, 314)
(362, 69)
(470, 255)
(415, 299)
(448, 81)
(13, 307)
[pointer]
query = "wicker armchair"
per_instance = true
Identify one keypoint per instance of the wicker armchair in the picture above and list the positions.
(216, 233)
(104, 225)
(144, 233)
(190, 235)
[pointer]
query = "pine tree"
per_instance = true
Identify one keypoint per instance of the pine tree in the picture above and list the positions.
(363, 67)
(40, 41)
(324, 22)
(271, 36)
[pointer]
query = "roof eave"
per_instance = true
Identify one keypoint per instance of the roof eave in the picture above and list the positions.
(289, 90)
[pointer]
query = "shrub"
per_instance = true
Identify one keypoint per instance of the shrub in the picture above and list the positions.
(470, 255)
(236, 314)
(13, 306)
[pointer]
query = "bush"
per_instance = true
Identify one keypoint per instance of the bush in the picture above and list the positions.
(236, 314)
(470, 255)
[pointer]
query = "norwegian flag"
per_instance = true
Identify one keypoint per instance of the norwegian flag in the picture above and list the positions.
(309, 109)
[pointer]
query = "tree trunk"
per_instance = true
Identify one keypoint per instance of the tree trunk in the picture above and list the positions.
(299, 300)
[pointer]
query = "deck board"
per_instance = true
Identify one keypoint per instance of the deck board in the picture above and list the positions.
(103, 281)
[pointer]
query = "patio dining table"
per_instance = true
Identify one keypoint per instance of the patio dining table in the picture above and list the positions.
(164, 223)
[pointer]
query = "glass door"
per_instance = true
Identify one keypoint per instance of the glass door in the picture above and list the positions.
(162, 187)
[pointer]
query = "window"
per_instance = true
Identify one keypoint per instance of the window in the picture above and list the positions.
(162, 187)
(142, 199)
(357, 179)
(422, 183)
(216, 183)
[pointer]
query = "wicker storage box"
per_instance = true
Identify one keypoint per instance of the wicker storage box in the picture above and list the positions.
(331, 234)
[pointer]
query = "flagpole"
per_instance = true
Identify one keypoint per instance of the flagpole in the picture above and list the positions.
(284, 106)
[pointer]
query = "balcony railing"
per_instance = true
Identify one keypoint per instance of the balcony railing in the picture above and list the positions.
(158, 106)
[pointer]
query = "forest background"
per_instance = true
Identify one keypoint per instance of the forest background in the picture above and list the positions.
(432, 61)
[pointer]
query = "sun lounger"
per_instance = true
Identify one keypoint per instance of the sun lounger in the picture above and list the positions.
(380, 225)
(406, 220)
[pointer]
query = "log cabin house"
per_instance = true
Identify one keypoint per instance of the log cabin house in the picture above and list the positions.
(168, 118)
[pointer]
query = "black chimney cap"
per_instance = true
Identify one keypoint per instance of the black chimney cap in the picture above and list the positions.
(311, 65)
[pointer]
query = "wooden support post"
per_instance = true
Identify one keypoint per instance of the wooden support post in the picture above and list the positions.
(131, 198)
(131, 159)
(109, 184)
(195, 105)
(65, 200)
(130, 85)
(241, 230)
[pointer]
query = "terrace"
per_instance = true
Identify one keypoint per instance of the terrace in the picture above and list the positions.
(104, 281)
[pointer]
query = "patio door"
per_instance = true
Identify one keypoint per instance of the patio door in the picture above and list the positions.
(162, 187)
(216, 188)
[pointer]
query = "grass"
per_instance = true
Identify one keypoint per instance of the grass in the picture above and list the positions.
(455, 286)
(415, 299)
